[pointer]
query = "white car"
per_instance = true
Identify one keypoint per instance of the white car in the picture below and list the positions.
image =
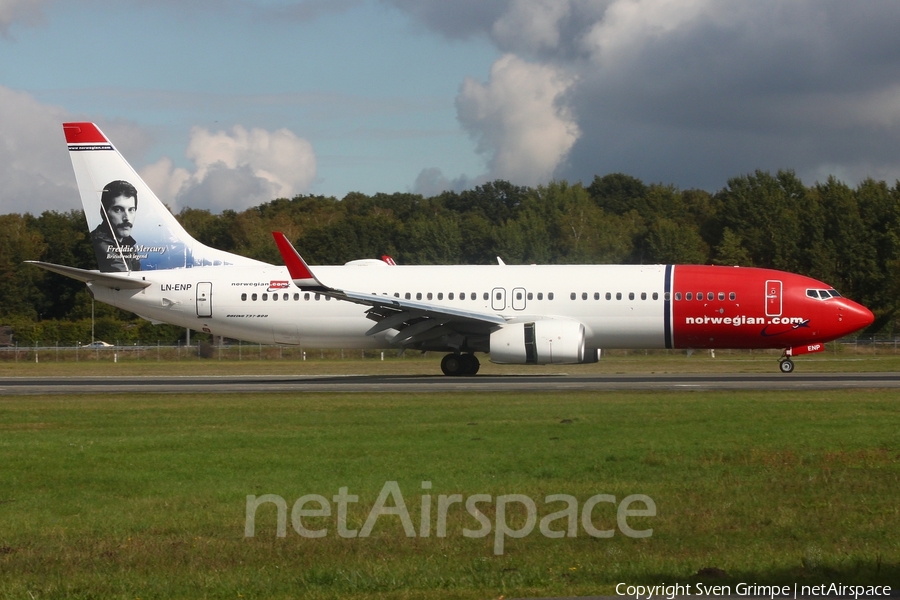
(98, 344)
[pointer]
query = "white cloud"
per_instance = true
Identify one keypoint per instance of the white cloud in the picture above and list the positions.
(432, 181)
(235, 170)
(24, 11)
(34, 165)
(518, 119)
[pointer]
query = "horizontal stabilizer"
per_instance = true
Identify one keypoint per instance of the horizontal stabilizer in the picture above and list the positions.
(110, 280)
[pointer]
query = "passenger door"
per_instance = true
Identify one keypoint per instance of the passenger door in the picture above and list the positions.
(773, 298)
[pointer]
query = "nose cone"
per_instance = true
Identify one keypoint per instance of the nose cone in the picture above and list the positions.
(854, 317)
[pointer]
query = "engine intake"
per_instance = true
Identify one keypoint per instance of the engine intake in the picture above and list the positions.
(539, 343)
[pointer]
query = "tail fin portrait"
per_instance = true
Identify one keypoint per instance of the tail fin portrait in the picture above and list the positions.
(131, 229)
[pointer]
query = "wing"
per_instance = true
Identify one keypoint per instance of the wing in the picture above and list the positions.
(420, 324)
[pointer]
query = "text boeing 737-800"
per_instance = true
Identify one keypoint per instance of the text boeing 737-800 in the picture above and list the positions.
(537, 314)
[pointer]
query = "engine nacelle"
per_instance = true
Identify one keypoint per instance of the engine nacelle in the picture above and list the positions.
(539, 343)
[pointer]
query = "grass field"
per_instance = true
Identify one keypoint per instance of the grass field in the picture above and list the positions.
(145, 496)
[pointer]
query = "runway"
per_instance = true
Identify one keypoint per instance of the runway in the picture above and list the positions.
(439, 383)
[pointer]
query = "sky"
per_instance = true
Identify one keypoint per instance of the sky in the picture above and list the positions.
(226, 104)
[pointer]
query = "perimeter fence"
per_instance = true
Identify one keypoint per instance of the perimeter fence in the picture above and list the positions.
(242, 351)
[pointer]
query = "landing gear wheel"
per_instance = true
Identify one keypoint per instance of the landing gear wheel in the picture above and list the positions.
(786, 365)
(470, 364)
(460, 364)
(452, 364)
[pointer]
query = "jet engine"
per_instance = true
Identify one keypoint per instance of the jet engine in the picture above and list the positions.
(539, 343)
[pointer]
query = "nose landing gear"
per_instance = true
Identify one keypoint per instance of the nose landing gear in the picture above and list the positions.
(786, 365)
(460, 364)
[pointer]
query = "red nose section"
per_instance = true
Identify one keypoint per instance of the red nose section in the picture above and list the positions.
(854, 316)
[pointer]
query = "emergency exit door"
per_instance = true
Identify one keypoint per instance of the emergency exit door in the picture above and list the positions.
(204, 299)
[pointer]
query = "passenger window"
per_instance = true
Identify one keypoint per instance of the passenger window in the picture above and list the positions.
(596, 295)
(327, 298)
(732, 296)
(631, 295)
(474, 296)
(721, 296)
(462, 295)
(710, 296)
(608, 296)
(396, 295)
(618, 295)
(407, 296)
(274, 297)
(678, 296)
(499, 295)
(418, 295)
(265, 296)
(656, 295)
(518, 295)
(572, 296)
(549, 295)
(243, 297)
(529, 296)
(540, 295)
(450, 296)
(296, 297)
(689, 296)
(666, 296)
(584, 295)
(429, 295)
(306, 296)
(317, 297)
(643, 295)
(440, 295)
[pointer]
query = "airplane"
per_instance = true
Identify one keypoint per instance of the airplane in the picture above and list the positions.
(518, 314)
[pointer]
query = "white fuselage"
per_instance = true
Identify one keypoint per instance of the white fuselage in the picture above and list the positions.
(240, 302)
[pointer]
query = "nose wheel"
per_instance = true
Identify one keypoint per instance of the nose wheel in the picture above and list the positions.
(786, 365)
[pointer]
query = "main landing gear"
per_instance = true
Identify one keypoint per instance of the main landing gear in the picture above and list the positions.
(460, 364)
(786, 365)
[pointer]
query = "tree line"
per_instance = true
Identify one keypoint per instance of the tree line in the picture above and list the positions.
(846, 236)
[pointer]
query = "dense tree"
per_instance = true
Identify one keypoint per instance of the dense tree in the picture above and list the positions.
(848, 237)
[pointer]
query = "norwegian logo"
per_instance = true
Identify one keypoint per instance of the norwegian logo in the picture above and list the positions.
(278, 285)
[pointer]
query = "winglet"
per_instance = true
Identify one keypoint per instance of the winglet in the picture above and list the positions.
(297, 267)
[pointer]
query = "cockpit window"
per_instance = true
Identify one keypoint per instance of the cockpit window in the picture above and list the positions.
(823, 294)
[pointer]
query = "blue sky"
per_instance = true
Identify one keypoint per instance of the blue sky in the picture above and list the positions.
(372, 93)
(230, 103)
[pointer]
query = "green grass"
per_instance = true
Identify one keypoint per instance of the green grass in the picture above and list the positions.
(144, 496)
